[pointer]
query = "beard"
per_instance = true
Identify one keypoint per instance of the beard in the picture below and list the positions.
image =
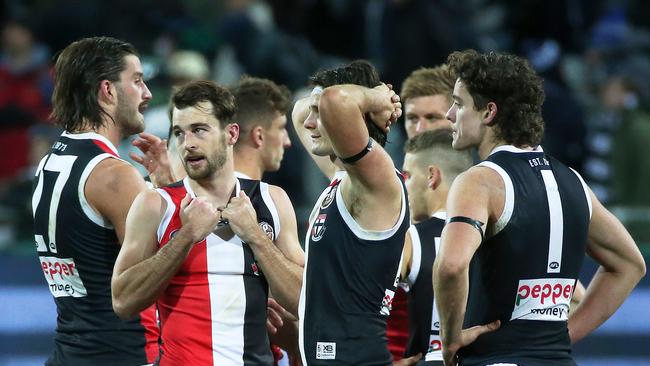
(128, 118)
(214, 163)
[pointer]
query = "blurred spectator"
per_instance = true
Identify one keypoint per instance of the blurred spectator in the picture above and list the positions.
(16, 203)
(628, 91)
(25, 90)
(262, 50)
(564, 120)
(182, 66)
(421, 33)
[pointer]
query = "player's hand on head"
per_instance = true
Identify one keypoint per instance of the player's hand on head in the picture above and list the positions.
(242, 218)
(199, 217)
(155, 158)
(387, 107)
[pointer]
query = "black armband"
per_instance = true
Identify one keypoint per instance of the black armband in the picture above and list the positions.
(477, 224)
(353, 159)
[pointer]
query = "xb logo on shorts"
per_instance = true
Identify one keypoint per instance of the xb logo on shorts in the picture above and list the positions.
(318, 229)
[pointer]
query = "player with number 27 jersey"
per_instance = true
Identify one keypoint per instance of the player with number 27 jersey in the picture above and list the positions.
(77, 249)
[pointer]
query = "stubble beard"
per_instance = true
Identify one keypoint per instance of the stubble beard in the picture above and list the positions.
(129, 121)
(214, 165)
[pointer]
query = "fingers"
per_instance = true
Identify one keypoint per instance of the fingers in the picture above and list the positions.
(408, 361)
(137, 158)
(186, 201)
(470, 334)
(270, 327)
(272, 304)
(152, 139)
(275, 318)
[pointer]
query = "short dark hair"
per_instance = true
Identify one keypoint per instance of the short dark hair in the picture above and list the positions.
(359, 72)
(434, 147)
(428, 139)
(78, 71)
(510, 82)
(194, 92)
(258, 101)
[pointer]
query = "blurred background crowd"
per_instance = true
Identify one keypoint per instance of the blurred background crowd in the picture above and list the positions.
(594, 56)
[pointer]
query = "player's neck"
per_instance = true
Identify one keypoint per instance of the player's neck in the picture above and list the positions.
(248, 162)
(489, 143)
(217, 188)
(249, 168)
(107, 129)
(437, 201)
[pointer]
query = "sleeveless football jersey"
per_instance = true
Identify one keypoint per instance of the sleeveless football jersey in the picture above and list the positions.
(77, 249)
(213, 311)
(349, 282)
(424, 322)
(525, 271)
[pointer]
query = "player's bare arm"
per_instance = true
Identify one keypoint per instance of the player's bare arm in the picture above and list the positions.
(576, 298)
(110, 190)
(373, 191)
(298, 116)
(407, 254)
(621, 268)
(469, 197)
(141, 271)
(282, 261)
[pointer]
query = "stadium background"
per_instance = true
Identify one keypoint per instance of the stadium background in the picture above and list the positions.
(593, 54)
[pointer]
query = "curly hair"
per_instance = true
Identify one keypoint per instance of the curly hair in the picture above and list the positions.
(359, 72)
(428, 81)
(509, 82)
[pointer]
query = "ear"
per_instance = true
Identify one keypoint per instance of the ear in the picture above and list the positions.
(232, 133)
(107, 93)
(435, 177)
(490, 113)
(257, 136)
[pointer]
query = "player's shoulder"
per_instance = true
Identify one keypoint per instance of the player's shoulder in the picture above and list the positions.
(115, 176)
(479, 175)
(280, 197)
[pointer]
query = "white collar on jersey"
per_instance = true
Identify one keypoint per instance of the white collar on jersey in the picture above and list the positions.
(514, 149)
(188, 188)
(91, 136)
(442, 215)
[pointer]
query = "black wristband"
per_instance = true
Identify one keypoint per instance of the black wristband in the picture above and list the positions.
(477, 224)
(353, 159)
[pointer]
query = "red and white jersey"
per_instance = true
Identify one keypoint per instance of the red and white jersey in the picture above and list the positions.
(214, 310)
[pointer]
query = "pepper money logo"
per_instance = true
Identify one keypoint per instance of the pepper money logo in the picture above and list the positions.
(543, 299)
